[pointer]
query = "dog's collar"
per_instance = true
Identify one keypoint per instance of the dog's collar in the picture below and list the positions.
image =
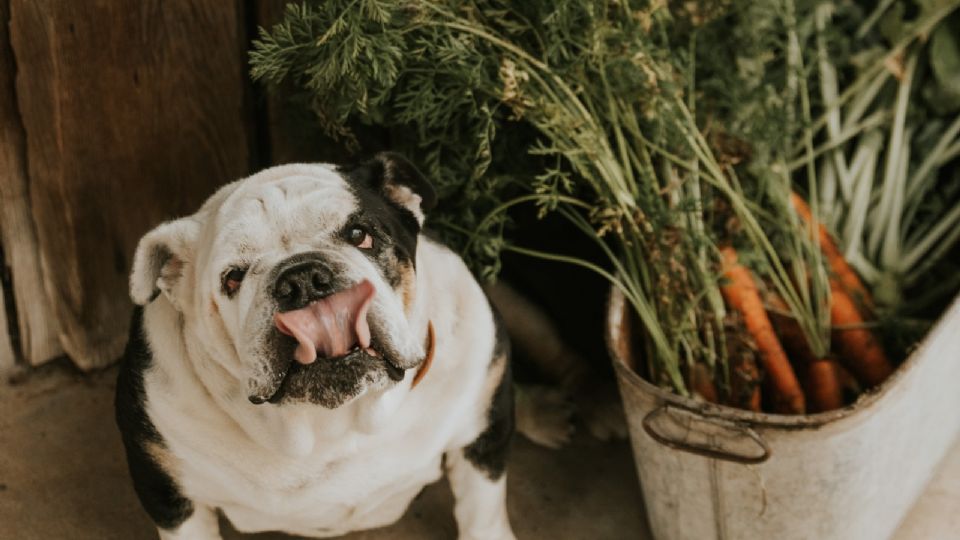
(425, 366)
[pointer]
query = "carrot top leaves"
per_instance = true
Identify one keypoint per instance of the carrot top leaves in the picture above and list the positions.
(659, 130)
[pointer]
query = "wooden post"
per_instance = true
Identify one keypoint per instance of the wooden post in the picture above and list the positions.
(36, 322)
(134, 112)
(7, 358)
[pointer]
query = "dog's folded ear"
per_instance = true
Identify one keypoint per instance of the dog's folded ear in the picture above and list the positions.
(403, 184)
(160, 260)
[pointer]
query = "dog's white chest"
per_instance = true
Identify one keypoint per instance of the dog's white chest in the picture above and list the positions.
(344, 496)
(346, 480)
(356, 482)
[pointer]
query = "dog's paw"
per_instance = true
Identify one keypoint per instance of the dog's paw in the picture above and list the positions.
(603, 416)
(544, 415)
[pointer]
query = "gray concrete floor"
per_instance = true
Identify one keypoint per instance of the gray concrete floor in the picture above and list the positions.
(63, 475)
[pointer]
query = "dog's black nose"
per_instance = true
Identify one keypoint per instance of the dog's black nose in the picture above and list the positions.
(300, 283)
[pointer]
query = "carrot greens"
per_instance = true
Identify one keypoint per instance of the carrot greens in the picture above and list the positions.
(665, 132)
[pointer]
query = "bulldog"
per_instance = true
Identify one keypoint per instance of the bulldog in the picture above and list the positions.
(302, 358)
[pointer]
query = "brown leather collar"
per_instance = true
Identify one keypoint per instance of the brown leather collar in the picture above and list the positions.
(425, 366)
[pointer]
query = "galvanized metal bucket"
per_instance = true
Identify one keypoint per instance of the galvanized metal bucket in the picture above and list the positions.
(709, 471)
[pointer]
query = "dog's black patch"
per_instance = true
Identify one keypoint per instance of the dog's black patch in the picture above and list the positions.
(489, 452)
(156, 489)
(370, 181)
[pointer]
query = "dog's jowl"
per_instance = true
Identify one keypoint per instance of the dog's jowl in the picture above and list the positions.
(302, 359)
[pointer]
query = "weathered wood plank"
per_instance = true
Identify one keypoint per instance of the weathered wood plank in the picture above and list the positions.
(7, 357)
(36, 323)
(134, 112)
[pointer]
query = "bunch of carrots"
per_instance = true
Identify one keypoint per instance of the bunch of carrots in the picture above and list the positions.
(796, 380)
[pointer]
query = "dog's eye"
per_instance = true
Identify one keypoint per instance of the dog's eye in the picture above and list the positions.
(232, 280)
(359, 237)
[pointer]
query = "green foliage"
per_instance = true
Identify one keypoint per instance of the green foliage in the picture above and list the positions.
(882, 175)
(660, 130)
(383, 63)
(582, 107)
(438, 71)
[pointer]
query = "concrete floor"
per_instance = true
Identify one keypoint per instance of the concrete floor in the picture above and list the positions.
(63, 475)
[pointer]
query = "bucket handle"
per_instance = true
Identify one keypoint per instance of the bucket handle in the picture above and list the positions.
(704, 449)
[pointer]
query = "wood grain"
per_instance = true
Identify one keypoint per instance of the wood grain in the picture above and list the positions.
(134, 112)
(7, 357)
(36, 323)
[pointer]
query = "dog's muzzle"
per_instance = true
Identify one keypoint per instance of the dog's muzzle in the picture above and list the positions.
(328, 325)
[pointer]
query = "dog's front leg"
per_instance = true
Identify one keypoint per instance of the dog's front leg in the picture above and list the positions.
(201, 525)
(480, 500)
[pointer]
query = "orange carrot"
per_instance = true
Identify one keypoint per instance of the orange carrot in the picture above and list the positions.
(787, 327)
(839, 267)
(741, 294)
(701, 382)
(821, 382)
(857, 346)
(824, 392)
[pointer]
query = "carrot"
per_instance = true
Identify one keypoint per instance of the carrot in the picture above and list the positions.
(701, 381)
(857, 346)
(741, 294)
(787, 327)
(824, 392)
(755, 397)
(839, 268)
(821, 381)
(848, 383)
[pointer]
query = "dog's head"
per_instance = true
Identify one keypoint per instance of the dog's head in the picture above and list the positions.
(300, 280)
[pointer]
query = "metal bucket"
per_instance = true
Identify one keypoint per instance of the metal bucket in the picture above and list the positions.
(710, 471)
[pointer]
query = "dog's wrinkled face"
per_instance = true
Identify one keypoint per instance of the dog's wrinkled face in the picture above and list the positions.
(299, 280)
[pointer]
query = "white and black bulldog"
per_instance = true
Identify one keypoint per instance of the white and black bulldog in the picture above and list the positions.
(305, 360)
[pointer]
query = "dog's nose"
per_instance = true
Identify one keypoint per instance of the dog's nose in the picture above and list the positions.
(300, 284)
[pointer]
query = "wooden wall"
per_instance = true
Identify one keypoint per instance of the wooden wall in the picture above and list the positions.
(115, 116)
(34, 323)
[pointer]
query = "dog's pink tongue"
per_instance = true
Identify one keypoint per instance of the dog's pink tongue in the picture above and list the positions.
(330, 326)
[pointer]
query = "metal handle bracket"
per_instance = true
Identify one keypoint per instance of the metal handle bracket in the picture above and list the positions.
(707, 448)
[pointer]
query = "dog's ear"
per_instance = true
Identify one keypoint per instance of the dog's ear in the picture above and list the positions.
(403, 184)
(161, 259)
